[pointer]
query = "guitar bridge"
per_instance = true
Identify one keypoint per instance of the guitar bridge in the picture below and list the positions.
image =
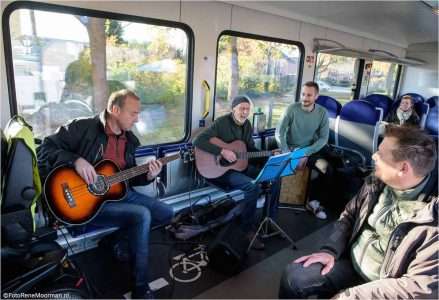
(68, 195)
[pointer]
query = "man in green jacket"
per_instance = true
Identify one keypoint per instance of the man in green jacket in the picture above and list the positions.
(306, 124)
(231, 127)
(385, 243)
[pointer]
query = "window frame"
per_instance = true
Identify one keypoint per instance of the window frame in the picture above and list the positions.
(397, 80)
(48, 7)
(262, 38)
(360, 74)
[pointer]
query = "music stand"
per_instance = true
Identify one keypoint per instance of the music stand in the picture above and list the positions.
(276, 167)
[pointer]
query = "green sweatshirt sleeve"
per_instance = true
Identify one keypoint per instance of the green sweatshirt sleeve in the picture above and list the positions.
(284, 126)
(202, 140)
(322, 134)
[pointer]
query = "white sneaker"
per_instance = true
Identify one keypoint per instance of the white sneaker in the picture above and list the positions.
(321, 214)
(313, 204)
(315, 207)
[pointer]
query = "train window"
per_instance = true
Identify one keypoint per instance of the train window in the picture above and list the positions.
(267, 70)
(336, 76)
(382, 78)
(66, 65)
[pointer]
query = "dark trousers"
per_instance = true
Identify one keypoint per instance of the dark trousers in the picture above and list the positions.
(298, 282)
(136, 213)
(237, 180)
(322, 184)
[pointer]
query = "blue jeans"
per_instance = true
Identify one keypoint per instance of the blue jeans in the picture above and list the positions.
(237, 180)
(136, 213)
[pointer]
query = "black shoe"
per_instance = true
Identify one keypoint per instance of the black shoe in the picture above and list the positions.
(142, 292)
(257, 244)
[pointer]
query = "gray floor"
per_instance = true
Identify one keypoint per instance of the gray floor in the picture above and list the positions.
(262, 280)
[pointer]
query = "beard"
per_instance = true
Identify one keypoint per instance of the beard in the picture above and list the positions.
(239, 120)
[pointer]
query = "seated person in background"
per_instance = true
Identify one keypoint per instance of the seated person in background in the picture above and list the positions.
(306, 124)
(405, 113)
(385, 243)
(84, 142)
(231, 127)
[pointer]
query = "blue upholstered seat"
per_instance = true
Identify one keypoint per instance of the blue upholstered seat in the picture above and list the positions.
(382, 101)
(333, 107)
(357, 128)
(433, 101)
(431, 124)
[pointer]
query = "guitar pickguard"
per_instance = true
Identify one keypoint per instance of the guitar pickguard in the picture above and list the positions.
(99, 187)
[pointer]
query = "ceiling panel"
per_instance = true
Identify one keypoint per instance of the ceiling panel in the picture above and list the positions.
(397, 22)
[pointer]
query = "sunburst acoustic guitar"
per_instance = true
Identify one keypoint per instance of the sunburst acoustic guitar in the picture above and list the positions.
(73, 201)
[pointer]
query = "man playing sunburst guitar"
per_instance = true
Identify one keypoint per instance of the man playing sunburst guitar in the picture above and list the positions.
(229, 128)
(84, 142)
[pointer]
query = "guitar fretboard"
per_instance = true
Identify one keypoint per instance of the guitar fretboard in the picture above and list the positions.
(247, 155)
(133, 172)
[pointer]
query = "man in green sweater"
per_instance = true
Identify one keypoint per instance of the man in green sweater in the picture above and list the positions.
(306, 124)
(231, 127)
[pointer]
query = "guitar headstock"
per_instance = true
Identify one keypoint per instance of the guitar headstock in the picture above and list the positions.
(187, 155)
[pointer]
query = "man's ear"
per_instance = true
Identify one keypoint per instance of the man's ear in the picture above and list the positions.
(115, 109)
(405, 168)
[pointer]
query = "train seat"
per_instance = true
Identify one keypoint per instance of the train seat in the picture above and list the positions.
(333, 107)
(357, 129)
(379, 100)
(431, 124)
(179, 176)
(433, 101)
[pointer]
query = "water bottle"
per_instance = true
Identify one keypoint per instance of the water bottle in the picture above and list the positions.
(259, 121)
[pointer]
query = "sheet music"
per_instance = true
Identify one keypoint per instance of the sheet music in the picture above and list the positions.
(284, 163)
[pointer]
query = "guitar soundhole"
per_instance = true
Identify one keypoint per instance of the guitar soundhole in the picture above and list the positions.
(224, 163)
(100, 187)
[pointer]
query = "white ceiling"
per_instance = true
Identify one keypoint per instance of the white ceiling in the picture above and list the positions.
(397, 22)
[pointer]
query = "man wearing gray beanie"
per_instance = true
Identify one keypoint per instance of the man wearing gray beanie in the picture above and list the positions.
(228, 128)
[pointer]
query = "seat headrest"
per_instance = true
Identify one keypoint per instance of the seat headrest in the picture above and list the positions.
(416, 97)
(333, 107)
(433, 101)
(431, 124)
(360, 111)
(379, 100)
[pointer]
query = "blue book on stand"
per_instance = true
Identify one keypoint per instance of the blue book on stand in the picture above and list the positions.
(281, 165)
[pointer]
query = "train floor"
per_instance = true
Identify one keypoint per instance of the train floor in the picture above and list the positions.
(180, 270)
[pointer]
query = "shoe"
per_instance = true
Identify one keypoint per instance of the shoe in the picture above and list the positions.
(257, 244)
(315, 207)
(142, 292)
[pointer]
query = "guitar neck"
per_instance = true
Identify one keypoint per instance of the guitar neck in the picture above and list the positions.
(247, 155)
(135, 171)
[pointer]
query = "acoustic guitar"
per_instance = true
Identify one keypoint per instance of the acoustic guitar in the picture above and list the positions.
(72, 201)
(213, 166)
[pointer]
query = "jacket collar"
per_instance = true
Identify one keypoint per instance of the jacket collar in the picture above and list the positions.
(429, 194)
(101, 118)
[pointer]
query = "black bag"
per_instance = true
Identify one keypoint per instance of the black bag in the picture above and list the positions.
(227, 253)
(197, 219)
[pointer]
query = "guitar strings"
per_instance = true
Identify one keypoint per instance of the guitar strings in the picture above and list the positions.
(82, 189)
